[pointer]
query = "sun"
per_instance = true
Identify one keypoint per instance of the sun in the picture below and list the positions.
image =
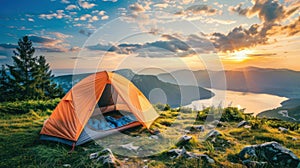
(240, 55)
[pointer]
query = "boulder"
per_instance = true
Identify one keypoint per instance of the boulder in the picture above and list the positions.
(217, 123)
(153, 137)
(272, 153)
(184, 139)
(282, 129)
(67, 165)
(255, 164)
(247, 126)
(106, 157)
(177, 153)
(242, 123)
(212, 133)
(199, 128)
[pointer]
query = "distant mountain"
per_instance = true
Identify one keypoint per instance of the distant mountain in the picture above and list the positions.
(175, 95)
(281, 82)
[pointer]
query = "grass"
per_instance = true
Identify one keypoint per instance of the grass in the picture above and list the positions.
(20, 145)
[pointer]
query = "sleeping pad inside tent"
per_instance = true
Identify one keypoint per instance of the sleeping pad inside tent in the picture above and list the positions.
(99, 105)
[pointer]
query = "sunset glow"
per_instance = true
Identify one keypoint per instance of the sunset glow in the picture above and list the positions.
(241, 55)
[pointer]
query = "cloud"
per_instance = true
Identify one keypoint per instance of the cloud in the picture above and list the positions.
(161, 5)
(85, 4)
(30, 20)
(136, 7)
(3, 57)
(60, 35)
(75, 49)
(110, 0)
(186, 1)
(41, 39)
(219, 21)
(198, 10)
(168, 46)
(240, 38)
(262, 54)
(94, 18)
(48, 44)
(8, 46)
(71, 7)
(84, 32)
(105, 17)
(85, 17)
(291, 29)
(59, 14)
(267, 10)
(101, 13)
(65, 1)
(271, 13)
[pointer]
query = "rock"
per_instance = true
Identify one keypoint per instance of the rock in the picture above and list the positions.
(216, 123)
(66, 165)
(108, 159)
(198, 128)
(155, 132)
(184, 139)
(213, 133)
(247, 126)
(154, 137)
(282, 129)
(130, 147)
(272, 153)
(210, 126)
(206, 158)
(242, 123)
(187, 131)
(94, 155)
(176, 153)
(255, 164)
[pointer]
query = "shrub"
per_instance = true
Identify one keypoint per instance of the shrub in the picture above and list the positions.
(162, 107)
(232, 114)
(22, 107)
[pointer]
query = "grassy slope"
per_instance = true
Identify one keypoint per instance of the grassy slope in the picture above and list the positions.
(20, 145)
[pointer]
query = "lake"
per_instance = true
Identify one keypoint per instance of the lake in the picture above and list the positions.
(252, 102)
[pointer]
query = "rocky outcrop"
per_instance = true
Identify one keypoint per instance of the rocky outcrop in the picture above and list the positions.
(177, 153)
(212, 133)
(242, 123)
(198, 128)
(106, 157)
(184, 140)
(283, 130)
(270, 153)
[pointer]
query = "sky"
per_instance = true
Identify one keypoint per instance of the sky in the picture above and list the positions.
(166, 35)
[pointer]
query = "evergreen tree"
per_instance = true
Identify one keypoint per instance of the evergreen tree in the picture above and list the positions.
(29, 77)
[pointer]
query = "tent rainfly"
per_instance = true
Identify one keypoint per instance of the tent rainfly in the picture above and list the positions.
(99, 105)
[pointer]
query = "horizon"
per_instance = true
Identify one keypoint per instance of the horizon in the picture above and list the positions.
(63, 72)
(182, 34)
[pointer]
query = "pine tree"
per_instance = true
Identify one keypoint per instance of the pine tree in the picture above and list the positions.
(43, 79)
(29, 77)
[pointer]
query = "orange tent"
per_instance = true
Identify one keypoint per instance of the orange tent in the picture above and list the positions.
(93, 101)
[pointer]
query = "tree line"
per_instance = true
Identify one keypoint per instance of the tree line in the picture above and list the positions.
(29, 77)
